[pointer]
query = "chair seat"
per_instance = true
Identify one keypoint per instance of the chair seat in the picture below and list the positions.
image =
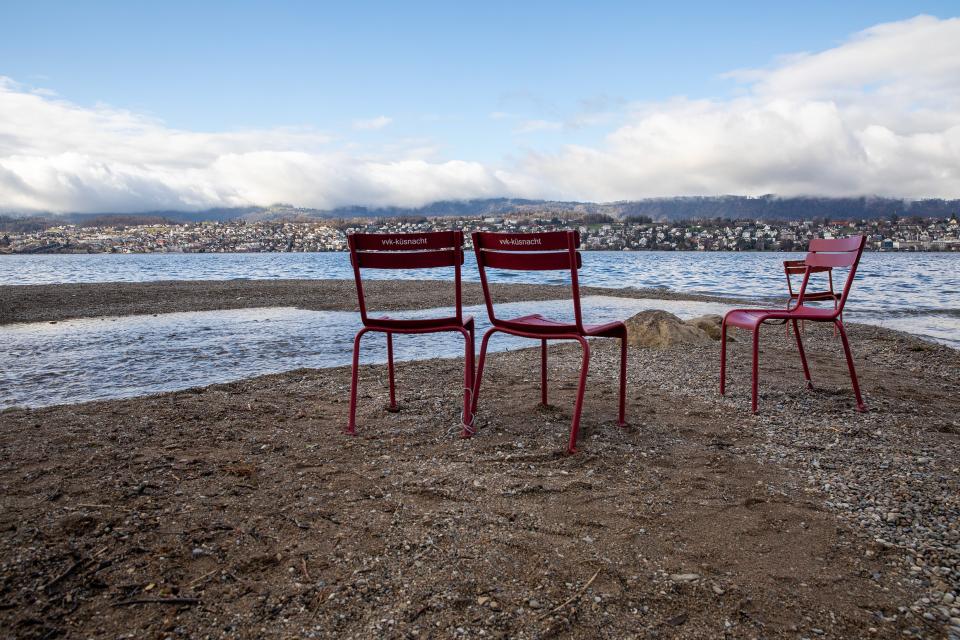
(752, 318)
(536, 323)
(418, 324)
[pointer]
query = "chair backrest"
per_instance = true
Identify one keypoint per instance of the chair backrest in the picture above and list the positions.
(544, 251)
(834, 252)
(794, 266)
(406, 251)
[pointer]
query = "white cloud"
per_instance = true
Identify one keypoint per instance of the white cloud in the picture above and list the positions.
(57, 156)
(877, 114)
(372, 124)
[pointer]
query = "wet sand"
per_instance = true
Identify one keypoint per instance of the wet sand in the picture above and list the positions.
(240, 510)
(44, 303)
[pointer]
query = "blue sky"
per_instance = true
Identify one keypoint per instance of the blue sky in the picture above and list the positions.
(490, 83)
(435, 68)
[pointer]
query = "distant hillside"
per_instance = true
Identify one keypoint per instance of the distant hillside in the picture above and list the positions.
(660, 209)
(681, 208)
(38, 221)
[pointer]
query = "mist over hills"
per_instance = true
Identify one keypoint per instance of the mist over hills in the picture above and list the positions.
(659, 209)
(767, 207)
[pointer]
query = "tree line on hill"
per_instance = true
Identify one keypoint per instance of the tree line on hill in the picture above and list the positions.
(767, 208)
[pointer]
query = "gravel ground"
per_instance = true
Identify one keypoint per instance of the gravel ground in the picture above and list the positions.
(890, 474)
(239, 510)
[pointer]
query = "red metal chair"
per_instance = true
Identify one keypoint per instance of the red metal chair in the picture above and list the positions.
(830, 253)
(410, 251)
(799, 267)
(555, 250)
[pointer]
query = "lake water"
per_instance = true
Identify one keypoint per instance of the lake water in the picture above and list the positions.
(101, 358)
(915, 292)
(886, 280)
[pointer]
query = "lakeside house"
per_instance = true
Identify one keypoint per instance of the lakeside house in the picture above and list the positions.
(913, 234)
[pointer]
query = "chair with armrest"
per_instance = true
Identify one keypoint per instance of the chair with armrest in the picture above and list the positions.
(824, 254)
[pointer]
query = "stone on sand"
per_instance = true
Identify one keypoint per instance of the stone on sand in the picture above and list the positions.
(711, 324)
(657, 329)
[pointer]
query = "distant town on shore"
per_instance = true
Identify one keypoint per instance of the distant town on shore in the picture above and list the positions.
(598, 232)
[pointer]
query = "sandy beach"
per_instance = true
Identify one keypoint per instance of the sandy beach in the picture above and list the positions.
(240, 510)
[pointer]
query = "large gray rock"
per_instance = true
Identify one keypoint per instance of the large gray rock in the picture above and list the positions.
(658, 329)
(711, 324)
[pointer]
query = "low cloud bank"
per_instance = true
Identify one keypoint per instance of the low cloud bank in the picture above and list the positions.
(878, 114)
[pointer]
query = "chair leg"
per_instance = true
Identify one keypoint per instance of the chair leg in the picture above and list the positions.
(578, 408)
(756, 368)
(352, 424)
(622, 421)
(853, 372)
(393, 408)
(473, 371)
(468, 429)
(543, 372)
(480, 363)
(803, 356)
(723, 357)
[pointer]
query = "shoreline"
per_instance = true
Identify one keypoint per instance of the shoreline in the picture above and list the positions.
(71, 301)
(55, 302)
